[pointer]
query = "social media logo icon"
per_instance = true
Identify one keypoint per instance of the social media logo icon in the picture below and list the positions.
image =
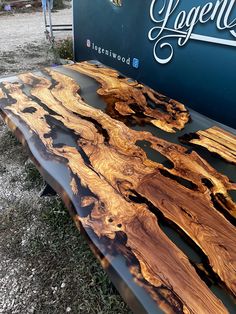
(88, 43)
(135, 63)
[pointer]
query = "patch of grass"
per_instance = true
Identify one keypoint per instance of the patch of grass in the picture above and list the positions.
(8, 141)
(10, 148)
(2, 169)
(55, 214)
(58, 4)
(64, 49)
(64, 256)
(33, 178)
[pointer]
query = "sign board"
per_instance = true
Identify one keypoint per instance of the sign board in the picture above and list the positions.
(185, 49)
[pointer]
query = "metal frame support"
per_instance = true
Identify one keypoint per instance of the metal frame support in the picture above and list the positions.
(50, 28)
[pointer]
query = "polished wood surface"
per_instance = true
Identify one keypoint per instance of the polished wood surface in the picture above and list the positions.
(132, 100)
(216, 140)
(121, 196)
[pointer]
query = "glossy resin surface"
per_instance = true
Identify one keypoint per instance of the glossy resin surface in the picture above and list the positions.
(159, 215)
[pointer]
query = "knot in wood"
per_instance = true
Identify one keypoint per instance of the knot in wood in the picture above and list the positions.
(128, 170)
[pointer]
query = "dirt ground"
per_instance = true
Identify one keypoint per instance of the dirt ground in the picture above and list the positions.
(45, 265)
(22, 40)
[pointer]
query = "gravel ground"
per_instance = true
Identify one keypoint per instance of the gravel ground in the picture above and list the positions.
(45, 265)
(23, 45)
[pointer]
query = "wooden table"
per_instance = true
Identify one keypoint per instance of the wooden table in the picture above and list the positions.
(159, 215)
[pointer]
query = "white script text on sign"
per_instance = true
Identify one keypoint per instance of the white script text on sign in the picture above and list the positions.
(183, 24)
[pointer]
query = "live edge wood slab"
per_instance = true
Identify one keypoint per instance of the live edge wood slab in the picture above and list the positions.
(127, 186)
(216, 140)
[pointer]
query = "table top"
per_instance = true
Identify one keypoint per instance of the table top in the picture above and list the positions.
(159, 214)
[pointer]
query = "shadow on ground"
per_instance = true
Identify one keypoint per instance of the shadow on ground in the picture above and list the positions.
(26, 58)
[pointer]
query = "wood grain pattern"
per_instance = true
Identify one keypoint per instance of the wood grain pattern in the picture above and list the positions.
(131, 101)
(216, 140)
(2, 95)
(124, 182)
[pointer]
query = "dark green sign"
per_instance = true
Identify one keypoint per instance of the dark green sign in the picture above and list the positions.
(183, 48)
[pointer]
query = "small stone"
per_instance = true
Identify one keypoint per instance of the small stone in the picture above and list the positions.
(63, 285)
(68, 309)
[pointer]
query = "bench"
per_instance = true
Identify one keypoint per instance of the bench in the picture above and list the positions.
(159, 215)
